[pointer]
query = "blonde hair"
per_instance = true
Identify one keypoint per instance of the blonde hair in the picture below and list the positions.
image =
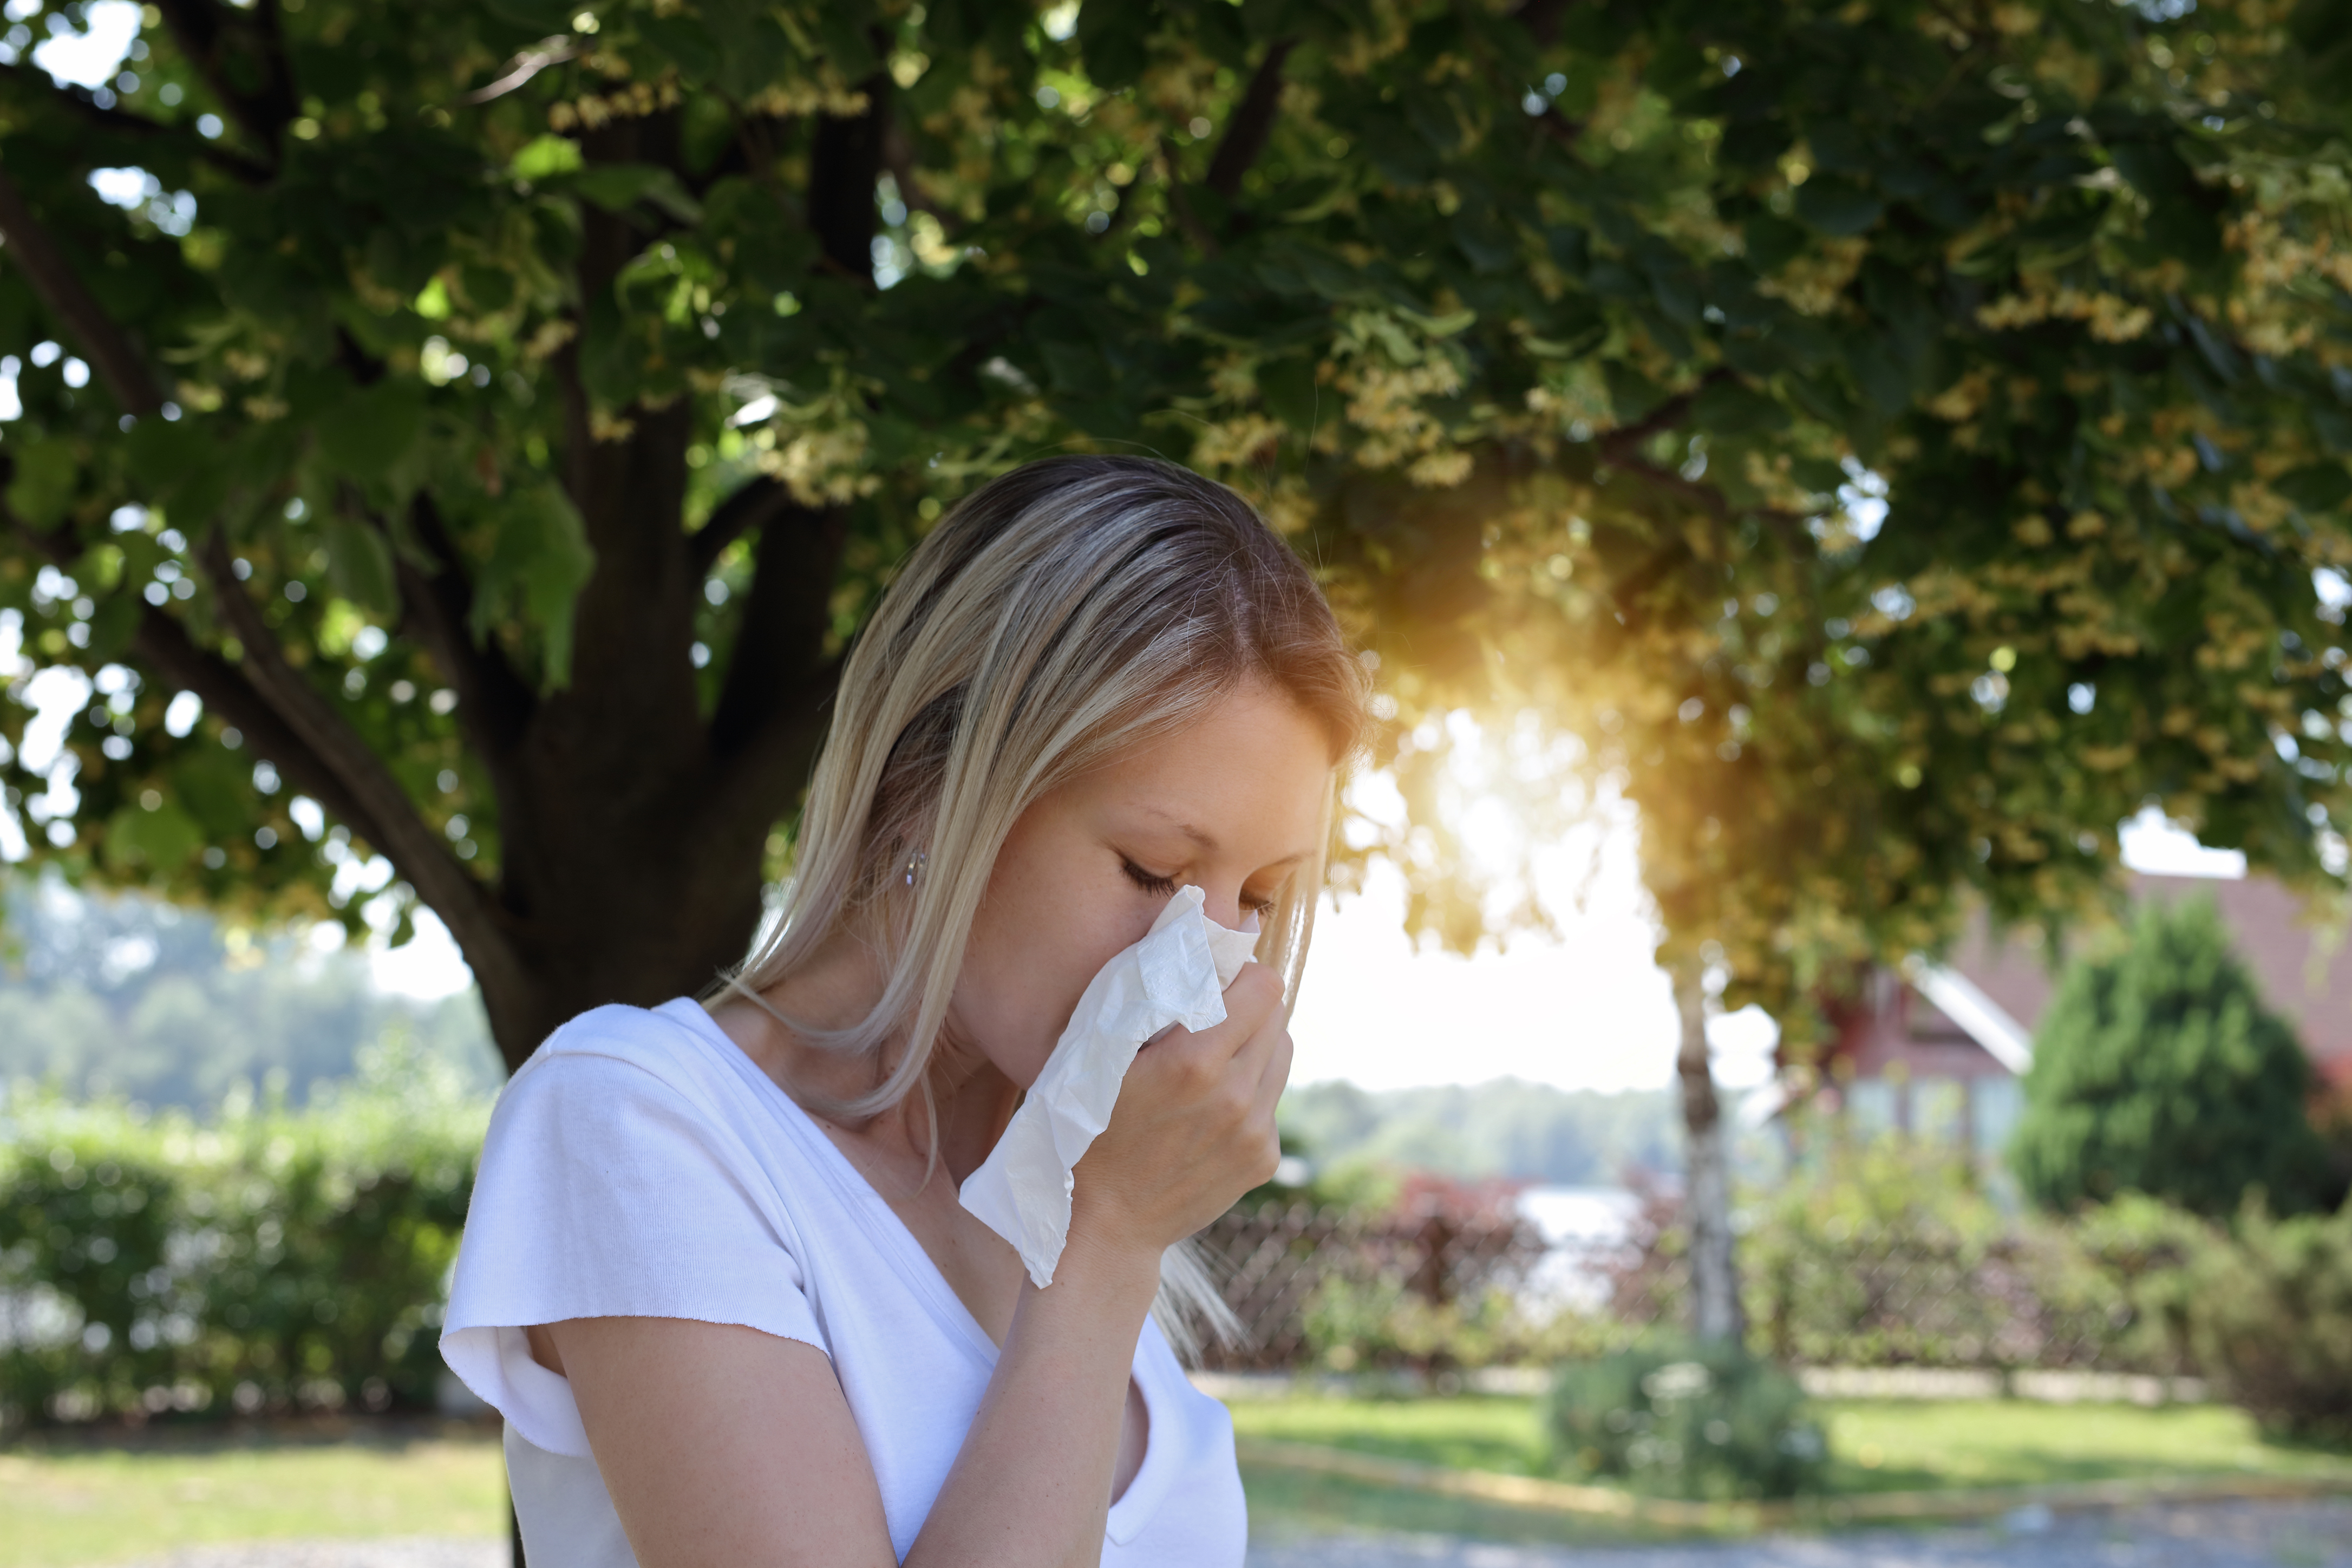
(1060, 615)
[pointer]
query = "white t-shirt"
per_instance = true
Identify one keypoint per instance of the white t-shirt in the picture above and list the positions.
(640, 1165)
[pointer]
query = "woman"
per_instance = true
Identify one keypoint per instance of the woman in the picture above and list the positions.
(716, 1275)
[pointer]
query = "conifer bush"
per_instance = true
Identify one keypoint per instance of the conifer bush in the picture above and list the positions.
(2158, 1070)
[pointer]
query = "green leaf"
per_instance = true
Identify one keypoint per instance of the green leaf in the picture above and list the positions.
(1728, 408)
(1111, 42)
(617, 187)
(163, 839)
(545, 156)
(1817, 474)
(540, 15)
(2315, 487)
(540, 561)
(1837, 206)
(752, 49)
(1288, 390)
(1773, 242)
(370, 430)
(359, 564)
(43, 485)
(1443, 326)
(112, 624)
(210, 783)
(1491, 244)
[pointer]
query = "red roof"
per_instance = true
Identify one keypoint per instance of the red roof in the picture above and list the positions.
(2303, 967)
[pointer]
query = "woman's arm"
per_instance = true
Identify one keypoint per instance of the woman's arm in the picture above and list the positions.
(722, 1444)
(727, 1447)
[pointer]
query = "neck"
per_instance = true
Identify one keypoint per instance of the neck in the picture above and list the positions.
(971, 1099)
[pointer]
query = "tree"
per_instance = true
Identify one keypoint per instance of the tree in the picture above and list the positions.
(2158, 1069)
(499, 414)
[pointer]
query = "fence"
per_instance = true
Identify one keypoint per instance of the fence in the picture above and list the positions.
(1427, 1287)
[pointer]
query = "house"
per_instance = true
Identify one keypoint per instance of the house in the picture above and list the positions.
(1937, 1049)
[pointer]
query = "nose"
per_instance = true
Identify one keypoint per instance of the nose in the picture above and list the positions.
(1223, 905)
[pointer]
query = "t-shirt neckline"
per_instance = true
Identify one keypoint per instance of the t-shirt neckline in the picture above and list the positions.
(906, 1252)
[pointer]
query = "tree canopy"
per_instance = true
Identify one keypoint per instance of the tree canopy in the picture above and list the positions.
(1891, 440)
(2158, 1069)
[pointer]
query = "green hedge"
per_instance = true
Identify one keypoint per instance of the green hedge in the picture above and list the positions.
(2268, 1311)
(265, 1259)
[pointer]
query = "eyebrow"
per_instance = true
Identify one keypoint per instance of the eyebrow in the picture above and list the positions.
(1206, 841)
(1198, 835)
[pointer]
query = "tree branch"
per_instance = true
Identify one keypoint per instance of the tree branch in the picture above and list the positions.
(752, 506)
(898, 157)
(1541, 19)
(1186, 218)
(1622, 445)
(845, 160)
(494, 703)
(84, 105)
(208, 36)
(120, 365)
(333, 756)
(777, 679)
(1622, 448)
(554, 50)
(1252, 124)
(287, 743)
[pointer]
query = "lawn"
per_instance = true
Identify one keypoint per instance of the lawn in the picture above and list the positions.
(70, 1501)
(1876, 1446)
(75, 1501)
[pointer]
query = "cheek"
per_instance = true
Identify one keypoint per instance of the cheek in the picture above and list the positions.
(1032, 952)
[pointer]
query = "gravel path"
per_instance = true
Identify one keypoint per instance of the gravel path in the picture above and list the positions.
(421, 1551)
(2203, 1535)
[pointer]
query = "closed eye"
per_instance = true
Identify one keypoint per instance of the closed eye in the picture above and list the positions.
(1159, 886)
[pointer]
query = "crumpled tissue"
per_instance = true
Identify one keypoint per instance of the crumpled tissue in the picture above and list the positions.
(1177, 974)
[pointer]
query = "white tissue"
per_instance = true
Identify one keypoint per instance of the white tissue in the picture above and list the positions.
(1177, 974)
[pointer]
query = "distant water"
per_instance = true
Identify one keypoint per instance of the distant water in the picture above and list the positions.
(1587, 1228)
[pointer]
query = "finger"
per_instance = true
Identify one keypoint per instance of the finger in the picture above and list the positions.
(1255, 997)
(1274, 1077)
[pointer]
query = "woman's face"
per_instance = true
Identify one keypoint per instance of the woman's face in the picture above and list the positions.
(1232, 806)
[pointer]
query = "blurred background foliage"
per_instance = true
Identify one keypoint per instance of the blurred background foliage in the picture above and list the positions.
(263, 1259)
(1886, 443)
(2159, 1069)
(129, 999)
(1530, 1132)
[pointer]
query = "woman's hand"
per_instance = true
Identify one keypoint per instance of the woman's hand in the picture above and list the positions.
(1193, 1129)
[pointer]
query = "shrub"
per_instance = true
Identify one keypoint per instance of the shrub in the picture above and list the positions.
(1704, 1421)
(269, 1259)
(2158, 1070)
(2269, 1313)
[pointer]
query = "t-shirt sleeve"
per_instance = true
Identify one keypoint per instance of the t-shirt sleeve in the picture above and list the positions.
(606, 1191)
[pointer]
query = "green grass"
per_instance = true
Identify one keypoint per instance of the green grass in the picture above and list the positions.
(1879, 1445)
(1284, 1502)
(69, 1502)
(1876, 1446)
(74, 1501)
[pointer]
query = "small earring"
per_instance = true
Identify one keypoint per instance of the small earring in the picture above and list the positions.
(915, 864)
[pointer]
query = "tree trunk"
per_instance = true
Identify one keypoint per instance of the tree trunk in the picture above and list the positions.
(1716, 1312)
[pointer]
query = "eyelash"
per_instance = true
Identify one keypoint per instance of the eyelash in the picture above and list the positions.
(1160, 887)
